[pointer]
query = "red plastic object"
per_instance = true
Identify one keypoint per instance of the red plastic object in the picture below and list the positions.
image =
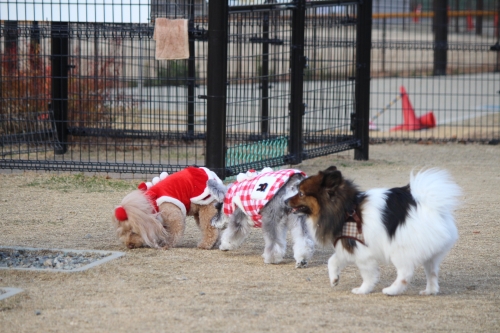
(410, 120)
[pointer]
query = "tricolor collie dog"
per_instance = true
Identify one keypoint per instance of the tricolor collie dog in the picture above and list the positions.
(258, 200)
(408, 226)
(155, 214)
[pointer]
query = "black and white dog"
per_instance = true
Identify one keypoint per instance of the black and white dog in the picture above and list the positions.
(258, 200)
(407, 226)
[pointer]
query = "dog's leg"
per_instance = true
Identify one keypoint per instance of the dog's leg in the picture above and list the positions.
(303, 243)
(368, 269)
(209, 234)
(174, 222)
(431, 268)
(274, 231)
(403, 279)
(236, 231)
(431, 272)
(336, 263)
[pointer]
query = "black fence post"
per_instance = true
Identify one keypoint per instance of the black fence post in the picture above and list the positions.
(496, 47)
(362, 87)
(191, 80)
(479, 18)
(264, 127)
(60, 53)
(11, 46)
(440, 23)
(384, 34)
(297, 107)
(9, 57)
(215, 155)
(35, 37)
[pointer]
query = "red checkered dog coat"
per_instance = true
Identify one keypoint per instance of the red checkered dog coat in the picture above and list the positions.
(253, 194)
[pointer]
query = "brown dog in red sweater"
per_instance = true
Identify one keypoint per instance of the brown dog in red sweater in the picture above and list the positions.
(155, 214)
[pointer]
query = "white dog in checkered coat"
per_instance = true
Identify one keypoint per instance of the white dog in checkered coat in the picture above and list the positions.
(258, 200)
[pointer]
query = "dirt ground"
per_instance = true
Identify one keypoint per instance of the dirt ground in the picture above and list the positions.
(190, 290)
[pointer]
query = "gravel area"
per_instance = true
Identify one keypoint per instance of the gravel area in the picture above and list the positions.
(47, 259)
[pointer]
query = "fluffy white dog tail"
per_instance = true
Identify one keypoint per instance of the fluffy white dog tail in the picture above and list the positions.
(434, 188)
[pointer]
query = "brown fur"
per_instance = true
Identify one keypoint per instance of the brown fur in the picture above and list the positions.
(203, 215)
(142, 228)
(326, 198)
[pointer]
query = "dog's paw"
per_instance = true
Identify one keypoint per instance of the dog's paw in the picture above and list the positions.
(226, 247)
(428, 293)
(205, 246)
(334, 282)
(391, 291)
(364, 289)
(272, 259)
(360, 291)
(301, 264)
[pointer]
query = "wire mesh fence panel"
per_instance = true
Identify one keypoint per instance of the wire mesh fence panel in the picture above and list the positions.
(131, 107)
(261, 86)
(258, 88)
(435, 71)
(329, 87)
(27, 123)
(90, 95)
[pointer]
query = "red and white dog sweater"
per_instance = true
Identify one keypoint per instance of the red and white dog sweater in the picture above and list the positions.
(252, 194)
(182, 188)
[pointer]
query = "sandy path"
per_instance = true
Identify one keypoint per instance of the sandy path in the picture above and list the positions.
(191, 290)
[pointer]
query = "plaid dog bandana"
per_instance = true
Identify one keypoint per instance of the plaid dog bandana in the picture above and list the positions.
(352, 229)
(253, 194)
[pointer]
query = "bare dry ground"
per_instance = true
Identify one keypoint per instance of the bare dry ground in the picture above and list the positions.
(190, 290)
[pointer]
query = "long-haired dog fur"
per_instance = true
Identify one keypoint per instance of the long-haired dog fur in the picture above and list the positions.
(408, 226)
(139, 223)
(276, 221)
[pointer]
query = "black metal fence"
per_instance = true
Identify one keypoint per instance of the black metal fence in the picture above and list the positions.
(282, 81)
(277, 85)
(439, 61)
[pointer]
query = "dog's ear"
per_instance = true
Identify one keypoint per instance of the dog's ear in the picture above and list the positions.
(331, 169)
(218, 205)
(218, 190)
(331, 180)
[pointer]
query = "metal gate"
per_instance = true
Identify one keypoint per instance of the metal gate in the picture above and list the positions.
(295, 85)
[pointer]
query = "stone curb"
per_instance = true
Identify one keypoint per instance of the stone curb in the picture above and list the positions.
(9, 292)
(114, 255)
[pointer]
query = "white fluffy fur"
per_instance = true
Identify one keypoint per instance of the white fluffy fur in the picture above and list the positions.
(426, 236)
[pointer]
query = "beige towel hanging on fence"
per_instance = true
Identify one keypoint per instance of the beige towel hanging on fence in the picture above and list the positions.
(171, 38)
